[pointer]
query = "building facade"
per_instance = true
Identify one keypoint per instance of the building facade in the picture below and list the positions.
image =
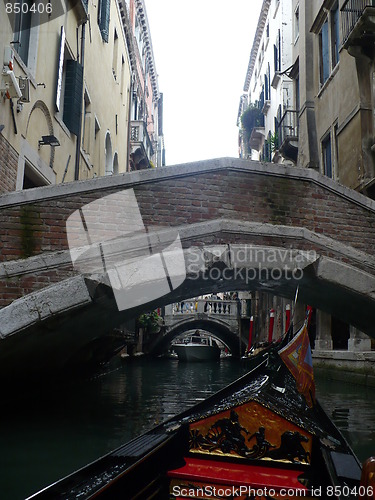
(268, 90)
(267, 104)
(341, 36)
(73, 91)
(146, 113)
(328, 102)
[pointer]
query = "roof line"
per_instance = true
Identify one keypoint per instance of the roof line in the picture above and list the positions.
(141, 11)
(258, 35)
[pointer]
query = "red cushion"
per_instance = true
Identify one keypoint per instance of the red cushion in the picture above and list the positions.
(237, 474)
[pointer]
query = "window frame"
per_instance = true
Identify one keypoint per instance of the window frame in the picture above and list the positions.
(296, 24)
(104, 16)
(326, 145)
(324, 53)
(327, 28)
(25, 37)
(335, 35)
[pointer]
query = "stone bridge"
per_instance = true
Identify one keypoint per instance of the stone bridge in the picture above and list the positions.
(221, 318)
(242, 225)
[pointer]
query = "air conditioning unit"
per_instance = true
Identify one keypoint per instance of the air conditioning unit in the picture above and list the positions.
(24, 84)
(9, 85)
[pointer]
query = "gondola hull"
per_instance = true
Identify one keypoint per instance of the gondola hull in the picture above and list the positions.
(257, 438)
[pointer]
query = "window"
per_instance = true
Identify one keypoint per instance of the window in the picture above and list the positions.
(122, 85)
(335, 35)
(26, 27)
(297, 92)
(327, 155)
(115, 57)
(87, 124)
(277, 52)
(108, 155)
(329, 43)
(104, 7)
(296, 23)
(324, 53)
(336, 152)
(69, 90)
(22, 30)
(267, 149)
(115, 164)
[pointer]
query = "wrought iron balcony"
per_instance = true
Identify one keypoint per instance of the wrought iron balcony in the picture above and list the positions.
(358, 23)
(288, 135)
(141, 145)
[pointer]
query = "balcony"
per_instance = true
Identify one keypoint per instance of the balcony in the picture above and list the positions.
(288, 135)
(141, 147)
(358, 24)
(256, 140)
(81, 7)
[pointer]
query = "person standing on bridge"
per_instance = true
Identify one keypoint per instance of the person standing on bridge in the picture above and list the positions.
(214, 299)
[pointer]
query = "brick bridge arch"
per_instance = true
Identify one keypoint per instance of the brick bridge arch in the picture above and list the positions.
(220, 208)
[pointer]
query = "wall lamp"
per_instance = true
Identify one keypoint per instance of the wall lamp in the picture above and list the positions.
(49, 140)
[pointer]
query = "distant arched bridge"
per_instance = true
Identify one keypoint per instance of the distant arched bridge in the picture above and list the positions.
(221, 318)
(242, 225)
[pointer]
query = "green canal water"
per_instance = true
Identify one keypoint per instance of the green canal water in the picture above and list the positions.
(52, 434)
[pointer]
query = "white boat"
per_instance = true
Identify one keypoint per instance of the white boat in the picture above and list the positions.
(197, 347)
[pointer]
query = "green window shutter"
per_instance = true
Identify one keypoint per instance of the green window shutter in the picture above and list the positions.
(73, 95)
(103, 18)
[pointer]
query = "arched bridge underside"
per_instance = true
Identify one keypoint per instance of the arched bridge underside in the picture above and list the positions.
(242, 225)
(219, 329)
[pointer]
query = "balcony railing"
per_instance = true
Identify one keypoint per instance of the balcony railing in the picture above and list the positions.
(351, 12)
(139, 137)
(288, 134)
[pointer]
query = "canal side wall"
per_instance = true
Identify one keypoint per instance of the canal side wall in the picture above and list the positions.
(346, 366)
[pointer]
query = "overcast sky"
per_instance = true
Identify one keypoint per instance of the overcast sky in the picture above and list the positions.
(201, 50)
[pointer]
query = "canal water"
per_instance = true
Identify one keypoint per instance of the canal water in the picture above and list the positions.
(57, 432)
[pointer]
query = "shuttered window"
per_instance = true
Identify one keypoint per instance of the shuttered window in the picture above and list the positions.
(103, 18)
(73, 95)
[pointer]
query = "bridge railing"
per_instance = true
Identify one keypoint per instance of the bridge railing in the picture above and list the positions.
(205, 306)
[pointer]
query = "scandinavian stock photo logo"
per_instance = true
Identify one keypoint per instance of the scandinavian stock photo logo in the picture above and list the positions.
(108, 236)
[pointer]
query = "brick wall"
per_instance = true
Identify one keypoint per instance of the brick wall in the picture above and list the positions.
(38, 226)
(8, 166)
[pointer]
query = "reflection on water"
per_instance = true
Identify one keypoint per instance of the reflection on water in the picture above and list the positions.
(352, 408)
(62, 431)
(57, 433)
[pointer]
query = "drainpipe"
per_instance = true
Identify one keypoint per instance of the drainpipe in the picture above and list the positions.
(79, 136)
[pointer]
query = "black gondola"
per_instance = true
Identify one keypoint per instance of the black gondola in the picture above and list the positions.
(256, 439)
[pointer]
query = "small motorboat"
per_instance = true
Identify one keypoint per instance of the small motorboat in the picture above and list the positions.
(197, 347)
(263, 437)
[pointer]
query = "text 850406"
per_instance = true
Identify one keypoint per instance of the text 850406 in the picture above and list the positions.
(26, 8)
